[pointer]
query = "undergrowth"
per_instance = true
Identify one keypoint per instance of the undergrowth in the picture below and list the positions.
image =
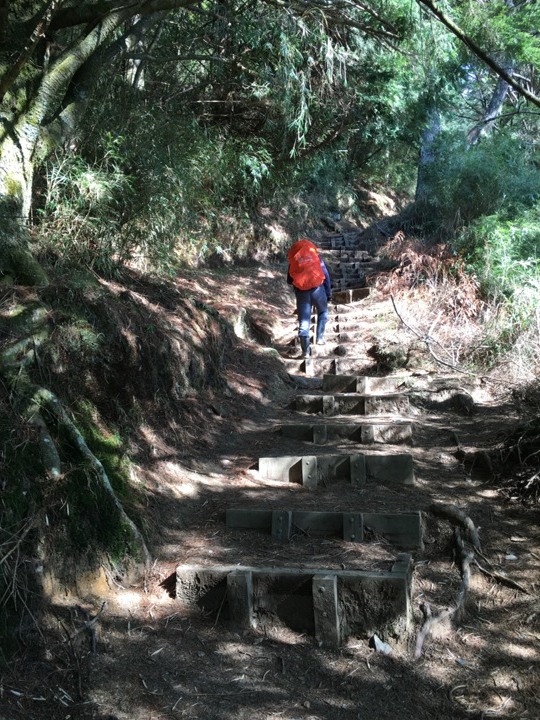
(448, 306)
(20, 502)
(521, 462)
(125, 362)
(436, 300)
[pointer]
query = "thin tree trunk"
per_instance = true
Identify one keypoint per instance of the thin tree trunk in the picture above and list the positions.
(493, 111)
(4, 10)
(14, 71)
(429, 134)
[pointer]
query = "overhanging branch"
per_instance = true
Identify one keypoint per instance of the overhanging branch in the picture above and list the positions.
(42, 23)
(88, 13)
(477, 50)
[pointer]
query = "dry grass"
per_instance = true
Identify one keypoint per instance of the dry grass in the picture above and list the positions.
(435, 299)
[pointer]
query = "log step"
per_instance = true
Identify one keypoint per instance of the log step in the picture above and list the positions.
(401, 529)
(329, 604)
(358, 469)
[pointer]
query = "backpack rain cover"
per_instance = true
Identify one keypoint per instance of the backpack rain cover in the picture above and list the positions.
(305, 265)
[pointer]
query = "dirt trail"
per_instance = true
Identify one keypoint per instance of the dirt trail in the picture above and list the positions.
(156, 658)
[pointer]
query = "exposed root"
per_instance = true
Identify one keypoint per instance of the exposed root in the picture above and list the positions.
(457, 517)
(47, 400)
(456, 610)
(467, 549)
(503, 579)
(49, 453)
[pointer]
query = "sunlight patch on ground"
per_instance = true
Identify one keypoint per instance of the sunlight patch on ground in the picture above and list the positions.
(178, 484)
(488, 493)
(128, 600)
(525, 652)
(136, 604)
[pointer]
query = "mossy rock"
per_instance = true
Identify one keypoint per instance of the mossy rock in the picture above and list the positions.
(18, 263)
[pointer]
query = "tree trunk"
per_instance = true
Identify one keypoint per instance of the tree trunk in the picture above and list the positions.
(493, 110)
(4, 8)
(17, 264)
(16, 170)
(20, 136)
(429, 134)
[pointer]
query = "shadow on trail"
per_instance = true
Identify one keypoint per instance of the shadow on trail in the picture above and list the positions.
(184, 667)
(196, 453)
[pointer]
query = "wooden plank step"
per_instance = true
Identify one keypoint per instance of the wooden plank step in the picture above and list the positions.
(389, 432)
(352, 404)
(345, 297)
(363, 384)
(323, 603)
(358, 469)
(401, 529)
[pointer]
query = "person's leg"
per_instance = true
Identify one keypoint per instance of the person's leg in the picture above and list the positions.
(303, 306)
(318, 298)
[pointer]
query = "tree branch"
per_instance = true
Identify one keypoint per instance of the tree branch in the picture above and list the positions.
(89, 13)
(42, 24)
(428, 341)
(477, 50)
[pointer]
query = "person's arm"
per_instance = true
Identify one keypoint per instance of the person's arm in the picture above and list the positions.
(327, 281)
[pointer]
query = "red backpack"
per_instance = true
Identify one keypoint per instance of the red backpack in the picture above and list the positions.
(305, 265)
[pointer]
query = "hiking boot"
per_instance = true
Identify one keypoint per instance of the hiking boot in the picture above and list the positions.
(304, 344)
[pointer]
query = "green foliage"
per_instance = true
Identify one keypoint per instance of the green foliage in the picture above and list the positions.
(256, 104)
(505, 255)
(84, 206)
(501, 26)
(162, 167)
(498, 175)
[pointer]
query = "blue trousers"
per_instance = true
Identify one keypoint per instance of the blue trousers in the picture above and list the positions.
(305, 299)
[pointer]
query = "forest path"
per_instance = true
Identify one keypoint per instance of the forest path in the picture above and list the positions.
(156, 657)
(179, 663)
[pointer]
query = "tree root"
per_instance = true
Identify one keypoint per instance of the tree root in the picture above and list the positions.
(49, 454)
(45, 399)
(458, 517)
(467, 557)
(503, 579)
(42, 411)
(456, 610)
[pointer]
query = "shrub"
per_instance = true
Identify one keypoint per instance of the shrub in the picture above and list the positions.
(498, 175)
(505, 254)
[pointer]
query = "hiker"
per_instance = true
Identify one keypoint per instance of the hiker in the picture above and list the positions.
(310, 279)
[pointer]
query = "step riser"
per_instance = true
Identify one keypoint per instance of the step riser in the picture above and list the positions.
(348, 282)
(352, 404)
(383, 433)
(401, 529)
(329, 604)
(365, 385)
(332, 336)
(345, 297)
(358, 469)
